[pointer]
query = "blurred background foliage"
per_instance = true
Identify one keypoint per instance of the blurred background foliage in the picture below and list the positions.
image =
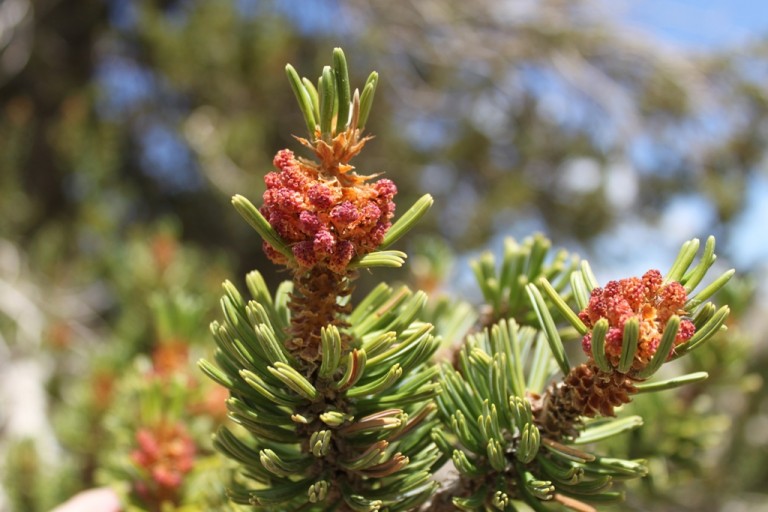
(126, 126)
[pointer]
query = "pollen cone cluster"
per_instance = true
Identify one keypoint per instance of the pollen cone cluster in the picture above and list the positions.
(328, 215)
(648, 299)
(590, 390)
(335, 398)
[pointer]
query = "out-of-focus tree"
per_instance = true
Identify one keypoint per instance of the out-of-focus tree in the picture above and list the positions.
(116, 115)
(559, 111)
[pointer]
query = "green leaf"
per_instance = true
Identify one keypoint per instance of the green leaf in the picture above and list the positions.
(233, 294)
(538, 252)
(274, 395)
(230, 445)
(263, 413)
(327, 98)
(497, 382)
(360, 504)
(455, 390)
(426, 392)
(561, 473)
(279, 491)
(629, 344)
(384, 316)
(407, 220)
(495, 452)
(703, 314)
(375, 454)
(366, 99)
(598, 345)
(258, 289)
(353, 371)
(330, 344)
(548, 324)
(711, 289)
(372, 301)
(335, 418)
(420, 353)
(411, 337)
(516, 256)
(709, 329)
(514, 359)
(696, 275)
(342, 88)
(588, 487)
(541, 489)
(597, 431)
(294, 380)
(464, 465)
(530, 441)
(265, 432)
(589, 277)
(379, 341)
(509, 269)
(474, 502)
(303, 98)
(235, 348)
(483, 268)
(605, 497)
(320, 443)
(663, 385)
(273, 349)
(277, 465)
(541, 365)
(633, 468)
(580, 291)
(441, 441)
(314, 98)
(561, 306)
(468, 433)
(257, 221)
(521, 412)
(567, 452)
(391, 259)
(664, 348)
(216, 374)
(379, 385)
(318, 491)
(683, 261)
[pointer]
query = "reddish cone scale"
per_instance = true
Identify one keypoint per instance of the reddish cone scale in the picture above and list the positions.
(649, 300)
(325, 223)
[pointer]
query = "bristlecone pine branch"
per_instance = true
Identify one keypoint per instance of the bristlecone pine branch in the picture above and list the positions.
(340, 407)
(514, 439)
(334, 401)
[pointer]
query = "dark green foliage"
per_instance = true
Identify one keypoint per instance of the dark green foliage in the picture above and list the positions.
(355, 430)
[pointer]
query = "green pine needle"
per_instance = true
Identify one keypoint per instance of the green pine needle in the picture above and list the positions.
(257, 221)
(599, 332)
(629, 344)
(342, 88)
(304, 99)
(548, 324)
(391, 259)
(600, 430)
(366, 99)
(561, 306)
(675, 382)
(664, 348)
(407, 221)
(327, 94)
